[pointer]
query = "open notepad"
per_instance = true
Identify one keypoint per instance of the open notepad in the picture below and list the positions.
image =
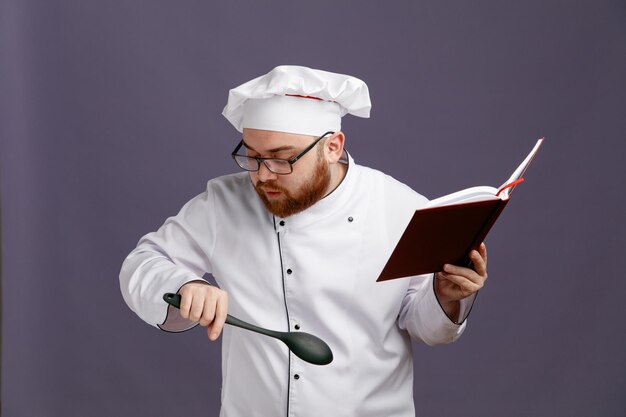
(449, 227)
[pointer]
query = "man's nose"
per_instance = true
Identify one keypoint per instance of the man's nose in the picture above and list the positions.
(265, 174)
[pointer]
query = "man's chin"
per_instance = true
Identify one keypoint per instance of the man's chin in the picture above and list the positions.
(280, 202)
(283, 205)
(280, 209)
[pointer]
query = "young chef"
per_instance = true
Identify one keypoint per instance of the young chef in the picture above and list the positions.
(295, 243)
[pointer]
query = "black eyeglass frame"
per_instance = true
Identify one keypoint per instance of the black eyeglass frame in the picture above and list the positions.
(291, 161)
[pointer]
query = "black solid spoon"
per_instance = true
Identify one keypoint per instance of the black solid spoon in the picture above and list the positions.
(307, 347)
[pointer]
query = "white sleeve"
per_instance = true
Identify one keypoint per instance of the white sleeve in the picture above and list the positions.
(165, 260)
(422, 316)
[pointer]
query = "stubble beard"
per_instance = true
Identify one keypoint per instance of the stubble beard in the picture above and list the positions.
(288, 204)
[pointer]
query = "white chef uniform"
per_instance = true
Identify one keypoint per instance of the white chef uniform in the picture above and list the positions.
(314, 271)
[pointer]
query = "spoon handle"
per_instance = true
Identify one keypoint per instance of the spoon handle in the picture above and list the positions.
(174, 300)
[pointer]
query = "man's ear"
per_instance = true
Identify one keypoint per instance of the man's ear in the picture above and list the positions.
(334, 147)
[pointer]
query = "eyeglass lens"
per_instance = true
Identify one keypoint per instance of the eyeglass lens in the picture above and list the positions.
(277, 166)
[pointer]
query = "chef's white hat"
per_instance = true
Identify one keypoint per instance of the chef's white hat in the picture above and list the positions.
(298, 100)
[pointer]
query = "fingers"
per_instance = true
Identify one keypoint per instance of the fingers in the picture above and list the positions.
(479, 263)
(198, 308)
(207, 313)
(215, 327)
(466, 285)
(478, 275)
(185, 305)
(206, 305)
(463, 282)
(483, 252)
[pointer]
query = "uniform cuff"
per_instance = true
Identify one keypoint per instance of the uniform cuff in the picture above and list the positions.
(174, 322)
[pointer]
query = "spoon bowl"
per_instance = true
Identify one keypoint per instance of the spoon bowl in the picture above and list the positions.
(308, 347)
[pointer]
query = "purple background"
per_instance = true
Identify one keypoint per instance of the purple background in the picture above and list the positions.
(110, 121)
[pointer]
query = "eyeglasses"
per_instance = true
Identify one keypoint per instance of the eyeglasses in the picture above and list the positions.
(275, 165)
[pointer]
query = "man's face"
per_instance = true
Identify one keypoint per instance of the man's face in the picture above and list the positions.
(285, 195)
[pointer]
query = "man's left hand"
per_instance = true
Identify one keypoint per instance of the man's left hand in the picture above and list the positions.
(456, 282)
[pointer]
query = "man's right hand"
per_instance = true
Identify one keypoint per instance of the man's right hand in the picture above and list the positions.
(204, 304)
